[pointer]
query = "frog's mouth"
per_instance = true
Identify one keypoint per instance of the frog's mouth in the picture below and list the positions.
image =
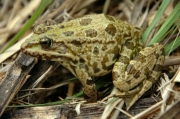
(44, 55)
(54, 58)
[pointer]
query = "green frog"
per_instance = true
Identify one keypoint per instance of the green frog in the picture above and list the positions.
(96, 45)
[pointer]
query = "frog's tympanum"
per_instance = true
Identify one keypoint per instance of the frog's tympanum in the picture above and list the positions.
(96, 45)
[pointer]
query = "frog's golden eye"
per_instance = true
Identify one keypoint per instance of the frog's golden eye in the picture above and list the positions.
(62, 49)
(45, 42)
(41, 28)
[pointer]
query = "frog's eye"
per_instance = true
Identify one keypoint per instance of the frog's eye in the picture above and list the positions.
(45, 42)
(41, 28)
(62, 49)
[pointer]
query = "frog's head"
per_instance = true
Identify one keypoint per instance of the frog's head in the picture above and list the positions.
(44, 46)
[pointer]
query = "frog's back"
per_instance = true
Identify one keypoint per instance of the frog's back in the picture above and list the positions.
(95, 26)
(97, 40)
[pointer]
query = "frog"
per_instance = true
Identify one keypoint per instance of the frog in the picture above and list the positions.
(95, 45)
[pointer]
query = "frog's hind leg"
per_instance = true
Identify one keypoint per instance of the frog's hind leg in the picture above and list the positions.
(153, 75)
(144, 69)
(129, 50)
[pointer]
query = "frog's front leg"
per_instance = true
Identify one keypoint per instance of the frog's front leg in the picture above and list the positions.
(142, 71)
(90, 92)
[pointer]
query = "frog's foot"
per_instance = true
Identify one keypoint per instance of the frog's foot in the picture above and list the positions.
(131, 100)
(131, 96)
(146, 85)
(128, 94)
(90, 92)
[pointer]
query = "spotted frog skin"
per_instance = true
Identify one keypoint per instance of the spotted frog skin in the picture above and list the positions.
(96, 45)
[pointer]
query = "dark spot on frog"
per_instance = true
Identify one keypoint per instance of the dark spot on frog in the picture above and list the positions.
(119, 39)
(129, 44)
(86, 67)
(49, 28)
(146, 71)
(140, 58)
(85, 21)
(137, 74)
(96, 70)
(109, 18)
(61, 26)
(74, 62)
(76, 43)
(110, 29)
(157, 67)
(127, 36)
(151, 79)
(156, 56)
(132, 70)
(89, 82)
(95, 64)
(96, 50)
(104, 48)
(44, 56)
(91, 33)
(95, 67)
(115, 57)
(103, 63)
(82, 60)
(68, 33)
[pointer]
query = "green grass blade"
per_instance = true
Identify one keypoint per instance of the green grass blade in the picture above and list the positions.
(167, 24)
(172, 46)
(156, 18)
(37, 13)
